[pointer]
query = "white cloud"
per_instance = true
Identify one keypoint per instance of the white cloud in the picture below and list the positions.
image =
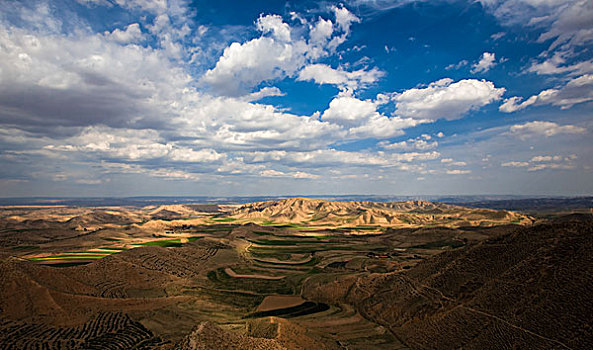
(39, 18)
(274, 24)
(572, 25)
(514, 103)
(131, 34)
(546, 158)
(487, 61)
(296, 174)
(458, 65)
(557, 64)
(458, 172)
(344, 18)
(160, 172)
(550, 166)
(361, 119)
(244, 65)
(577, 90)
(446, 99)
(348, 110)
(419, 143)
(544, 162)
(413, 156)
(317, 158)
(93, 3)
(381, 126)
(497, 36)
(321, 32)
(125, 144)
(153, 6)
(332, 158)
(543, 128)
(515, 164)
(324, 74)
(89, 181)
(234, 124)
(264, 92)
(193, 156)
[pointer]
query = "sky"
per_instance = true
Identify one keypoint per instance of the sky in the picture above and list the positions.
(222, 98)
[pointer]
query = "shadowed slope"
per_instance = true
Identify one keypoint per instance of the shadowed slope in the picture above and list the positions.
(529, 289)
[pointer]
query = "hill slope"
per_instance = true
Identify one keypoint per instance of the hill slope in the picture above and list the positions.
(530, 289)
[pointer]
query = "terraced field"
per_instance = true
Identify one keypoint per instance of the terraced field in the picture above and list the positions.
(105, 331)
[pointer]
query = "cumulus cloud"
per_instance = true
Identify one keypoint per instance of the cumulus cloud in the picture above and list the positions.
(349, 110)
(486, 62)
(577, 90)
(321, 32)
(362, 120)
(235, 124)
(445, 99)
(275, 25)
(543, 128)
(244, 65)
(344, 18)
(381, 126)
(324, 74)
(131, 34)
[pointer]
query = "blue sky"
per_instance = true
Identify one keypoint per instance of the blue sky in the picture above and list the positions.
(163, 97)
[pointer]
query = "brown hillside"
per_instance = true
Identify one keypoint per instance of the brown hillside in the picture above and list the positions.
(529, 289)
(321, 212)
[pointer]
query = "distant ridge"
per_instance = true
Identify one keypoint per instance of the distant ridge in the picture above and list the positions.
(406, 213)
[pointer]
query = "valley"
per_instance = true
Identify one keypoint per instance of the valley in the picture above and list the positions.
(292, 274)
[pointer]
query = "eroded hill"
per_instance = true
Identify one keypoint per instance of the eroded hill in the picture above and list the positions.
(410, 213)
